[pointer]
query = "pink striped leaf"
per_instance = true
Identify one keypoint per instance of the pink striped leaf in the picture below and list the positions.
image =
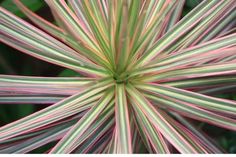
(203, 82)
(102, 125)
(68, 143)
(203, 138)
(56, 112)
(190, 110)
(43, 85)
(29, 99)
(71, 23)
(195, 72)
(151, 134)
(199, 100)
(37, 141)
(159, 122)
(202, 10)
(188, 135)
(207, 51)
(122, 120)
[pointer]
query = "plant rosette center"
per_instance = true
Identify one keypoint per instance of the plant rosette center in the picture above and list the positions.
(121, 78)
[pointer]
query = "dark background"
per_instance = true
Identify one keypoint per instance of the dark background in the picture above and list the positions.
(16, 63)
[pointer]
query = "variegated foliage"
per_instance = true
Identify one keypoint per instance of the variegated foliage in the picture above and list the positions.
(145, 69)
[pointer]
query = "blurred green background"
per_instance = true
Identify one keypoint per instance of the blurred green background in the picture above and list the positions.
(16, 63)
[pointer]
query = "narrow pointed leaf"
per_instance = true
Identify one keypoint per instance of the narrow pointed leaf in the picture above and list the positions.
(122, 119)
(66, 144)
(159, 122)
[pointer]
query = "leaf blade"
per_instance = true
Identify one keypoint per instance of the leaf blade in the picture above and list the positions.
(123, 120)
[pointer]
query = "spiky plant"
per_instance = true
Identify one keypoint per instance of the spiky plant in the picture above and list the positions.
(144, 71)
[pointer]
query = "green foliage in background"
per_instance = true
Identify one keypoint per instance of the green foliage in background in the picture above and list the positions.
(33, 5)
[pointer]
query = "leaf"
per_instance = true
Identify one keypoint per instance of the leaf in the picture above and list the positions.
(198, 71)
(72, 24)
(194, 99)
(23, 85)
(175, 15)
(150, 134)
(157, 12)
(101, 126)
(98, 25)
(189, 110)
(37, 141)
(192, 139)
(35, 42)
(67, 143)
(204, 139)
(63, 109)
(122, 120)
(181, 28)
(203, 82)
(26, 99)
(194, 56)
(159, 122)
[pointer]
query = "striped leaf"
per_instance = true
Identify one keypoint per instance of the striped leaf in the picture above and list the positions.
(67, 143)
(159, 122)
(122, 119)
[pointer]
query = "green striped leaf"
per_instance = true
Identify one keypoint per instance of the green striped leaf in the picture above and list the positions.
(66, 144)
(159, 122)
(150, 133)
(123, 120)
(199, 100)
